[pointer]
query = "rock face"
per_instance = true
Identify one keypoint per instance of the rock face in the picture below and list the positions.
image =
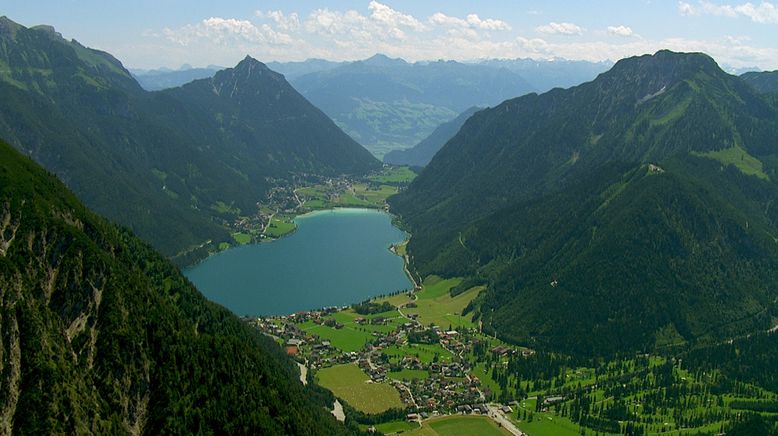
(99, 334)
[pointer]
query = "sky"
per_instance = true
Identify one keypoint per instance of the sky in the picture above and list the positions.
(168, 33)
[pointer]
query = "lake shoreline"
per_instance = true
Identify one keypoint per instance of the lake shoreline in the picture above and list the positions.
(248, 281)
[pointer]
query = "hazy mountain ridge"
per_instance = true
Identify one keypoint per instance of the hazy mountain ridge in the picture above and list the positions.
(397, 104)
(765, 82)
(527, 154)
(420, 154)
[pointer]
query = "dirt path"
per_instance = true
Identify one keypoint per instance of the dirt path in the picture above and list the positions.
(337, 411)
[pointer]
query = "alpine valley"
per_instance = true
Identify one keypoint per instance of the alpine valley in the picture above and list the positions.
(595, 259)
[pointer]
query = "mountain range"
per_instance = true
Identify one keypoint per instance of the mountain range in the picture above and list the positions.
(171, 165)
(420, 154)
(765, 82)
(163, 78)
(636, 208)
(388, 104)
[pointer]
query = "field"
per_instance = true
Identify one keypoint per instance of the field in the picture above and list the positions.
(543, 424)
(345, 339)
(458, 425)
(394, 175)
(241, 238)
(425, 353)
(349, 383)
(409, 374)
(738, 157)
(436, 306)
(279, 227)
(356, 195)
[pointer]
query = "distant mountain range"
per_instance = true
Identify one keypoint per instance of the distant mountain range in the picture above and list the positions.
(163, 78)
(387, 104)
(765, 82)
(101, 335)
(172, 165)
(629, 213)
(420, 154)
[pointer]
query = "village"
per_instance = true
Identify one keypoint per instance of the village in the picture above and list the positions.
(431, 368)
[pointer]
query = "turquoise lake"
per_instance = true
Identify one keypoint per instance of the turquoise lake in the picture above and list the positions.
(335, 258)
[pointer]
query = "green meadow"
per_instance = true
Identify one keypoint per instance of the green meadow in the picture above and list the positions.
(349, 383)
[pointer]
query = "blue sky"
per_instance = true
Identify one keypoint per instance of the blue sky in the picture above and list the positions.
(147, 34)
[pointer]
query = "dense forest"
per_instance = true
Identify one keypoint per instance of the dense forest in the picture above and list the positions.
(100, 334)
(636, 208)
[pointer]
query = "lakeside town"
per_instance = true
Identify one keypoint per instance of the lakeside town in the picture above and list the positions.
(430, 368)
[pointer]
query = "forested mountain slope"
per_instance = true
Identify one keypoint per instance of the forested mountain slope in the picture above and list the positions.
(645, 196)
(102, 335)
(421, 154)
(160, 162)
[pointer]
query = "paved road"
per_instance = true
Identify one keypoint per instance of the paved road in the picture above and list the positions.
(496, 414)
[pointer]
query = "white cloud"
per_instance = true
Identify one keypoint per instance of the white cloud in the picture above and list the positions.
(392, 18)
(226, 31)
(764, 13)
(282, 21)
(347, 34)
(472, 21)
(620, 31)
(567, 29)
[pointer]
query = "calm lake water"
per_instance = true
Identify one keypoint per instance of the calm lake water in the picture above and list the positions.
(336, 257)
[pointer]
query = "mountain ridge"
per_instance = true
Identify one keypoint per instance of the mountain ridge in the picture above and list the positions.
(670, 112)
(103, 335)
(158, 162)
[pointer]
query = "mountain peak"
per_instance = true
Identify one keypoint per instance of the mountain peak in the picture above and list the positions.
(665, 65)
(9, 27)
(382, 60)
(48, 30)
(250, 61)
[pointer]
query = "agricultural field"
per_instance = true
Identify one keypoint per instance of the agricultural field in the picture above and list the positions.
(346, 339)
(241, 238)
(394, 175)
(352, 385)
(345, 195)
(279, 227)
(409, 374)
(459, 425)
(434, 304)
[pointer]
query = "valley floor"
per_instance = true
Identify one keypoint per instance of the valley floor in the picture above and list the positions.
(416, 361)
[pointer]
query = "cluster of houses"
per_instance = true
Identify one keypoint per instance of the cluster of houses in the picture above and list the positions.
(448, 387)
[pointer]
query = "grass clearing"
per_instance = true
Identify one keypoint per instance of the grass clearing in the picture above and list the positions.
(740, 158)
(349, 383)
(394, 175)
(436, 306)
(409, 374)
(241, 238)
(278, 228)
(459, 425)
(424, 352)
(346, 339)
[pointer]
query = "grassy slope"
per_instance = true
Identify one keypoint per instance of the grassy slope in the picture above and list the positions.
(349, 383)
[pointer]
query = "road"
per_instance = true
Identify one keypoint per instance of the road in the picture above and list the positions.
(497, 416)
